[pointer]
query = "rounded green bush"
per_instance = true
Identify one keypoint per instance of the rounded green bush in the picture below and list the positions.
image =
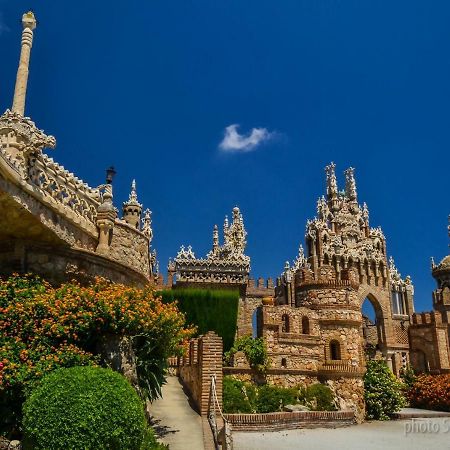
(320, 396)
(84, 408)
(274, 398)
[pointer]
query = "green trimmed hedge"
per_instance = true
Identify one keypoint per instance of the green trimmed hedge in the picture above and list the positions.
(208, 310)
(85, 407)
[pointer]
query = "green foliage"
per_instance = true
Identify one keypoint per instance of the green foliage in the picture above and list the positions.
(254, 349)
(208, 310)
(235, 397)
(383, 391)
(274, 398)
(408, 377)
(240, 397)
(43, 328)
(151, 364)
(150, 442)
(84, 408)
(318, 397)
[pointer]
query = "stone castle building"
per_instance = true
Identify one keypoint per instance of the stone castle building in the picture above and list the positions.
(54, 224)
(312, 320)
(51, 222)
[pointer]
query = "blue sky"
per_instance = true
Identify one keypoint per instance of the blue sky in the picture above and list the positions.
(150, 87)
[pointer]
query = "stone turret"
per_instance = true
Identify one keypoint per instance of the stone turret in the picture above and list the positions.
(132, 209)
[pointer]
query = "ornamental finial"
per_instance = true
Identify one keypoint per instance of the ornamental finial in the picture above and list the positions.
(29, 20)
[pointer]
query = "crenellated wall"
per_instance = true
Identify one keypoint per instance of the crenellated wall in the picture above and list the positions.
(429, 340)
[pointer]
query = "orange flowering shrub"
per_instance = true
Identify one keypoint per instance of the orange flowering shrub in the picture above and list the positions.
(43, 328)
(431, 392)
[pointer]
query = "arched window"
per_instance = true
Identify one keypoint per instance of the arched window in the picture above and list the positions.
(335, 350)
(283, 363)
(285, 323)
(305, 325)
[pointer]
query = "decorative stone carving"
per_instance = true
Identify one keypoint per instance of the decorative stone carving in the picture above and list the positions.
(147, 224)
(225, 263)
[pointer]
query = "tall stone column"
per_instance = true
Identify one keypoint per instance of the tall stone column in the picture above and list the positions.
(20, 93)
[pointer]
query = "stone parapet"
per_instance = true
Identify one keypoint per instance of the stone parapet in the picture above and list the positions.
(427, 318)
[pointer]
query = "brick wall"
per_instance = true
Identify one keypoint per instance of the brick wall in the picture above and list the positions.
(204, 359)
(290, 420)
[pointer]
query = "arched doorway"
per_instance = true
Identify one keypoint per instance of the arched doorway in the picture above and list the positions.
(372, 327)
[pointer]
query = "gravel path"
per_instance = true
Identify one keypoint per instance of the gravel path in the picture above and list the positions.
(414, 434)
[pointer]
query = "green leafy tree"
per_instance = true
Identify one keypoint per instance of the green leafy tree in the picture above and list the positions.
(383, 391)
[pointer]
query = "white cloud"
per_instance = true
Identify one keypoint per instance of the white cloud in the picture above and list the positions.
(235, 142)
(3, 27)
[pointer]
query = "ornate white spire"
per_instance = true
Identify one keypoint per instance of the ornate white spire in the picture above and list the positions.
(395, 274)
(235, 234)
(147, 224)
(301, 261)
(225, 225)
(322, 208)
(350, 184)
(332, 188)
(215, 238)
(133, 193)
(132, 198)
(365, 213)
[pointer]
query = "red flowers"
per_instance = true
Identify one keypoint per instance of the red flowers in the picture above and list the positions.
(431, 392)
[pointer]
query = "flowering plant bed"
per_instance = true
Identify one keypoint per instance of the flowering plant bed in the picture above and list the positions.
(43, 328)
(431, 392)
